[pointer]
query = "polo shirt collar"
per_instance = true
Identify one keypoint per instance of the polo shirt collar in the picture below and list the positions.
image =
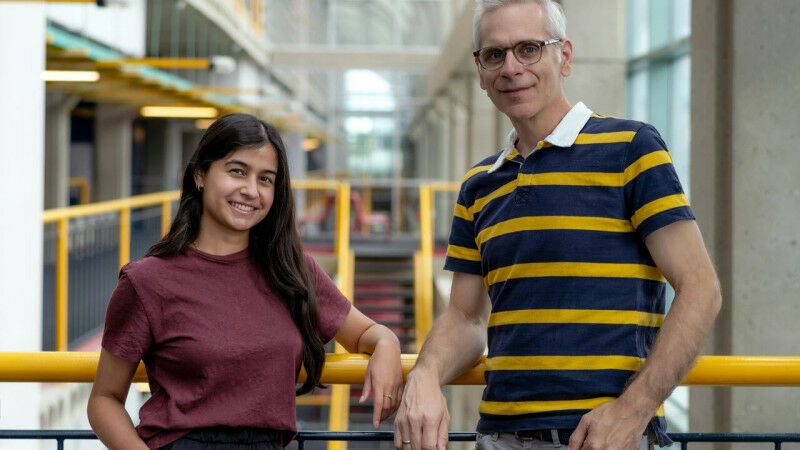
(563, 135)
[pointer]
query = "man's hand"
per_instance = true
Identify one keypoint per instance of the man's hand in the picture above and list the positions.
(423, 418)
(615, 425)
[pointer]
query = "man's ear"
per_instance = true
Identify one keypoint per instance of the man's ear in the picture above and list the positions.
(566, 58)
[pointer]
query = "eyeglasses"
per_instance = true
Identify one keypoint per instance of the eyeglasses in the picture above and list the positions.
(526, 52)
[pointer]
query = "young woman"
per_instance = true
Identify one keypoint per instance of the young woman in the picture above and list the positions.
(225, 308)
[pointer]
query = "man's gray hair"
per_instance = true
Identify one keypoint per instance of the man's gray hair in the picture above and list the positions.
(554, 14)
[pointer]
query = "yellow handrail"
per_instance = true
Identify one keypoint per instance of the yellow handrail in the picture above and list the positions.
(83, 188)
(339, 411)
(350, 368)
(423, 259)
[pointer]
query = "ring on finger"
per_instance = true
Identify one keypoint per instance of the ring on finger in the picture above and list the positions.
(388, 396)
(406, 442)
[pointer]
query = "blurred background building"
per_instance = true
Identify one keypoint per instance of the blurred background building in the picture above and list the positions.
(106, 102)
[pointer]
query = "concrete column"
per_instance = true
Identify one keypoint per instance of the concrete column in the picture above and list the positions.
(483, 123)
(444, 152)
(113, 144)
(597, 32)
(164, 155)
(22, 33)
(57, 148)
(459, 163)
(745, 195)
(172, 156)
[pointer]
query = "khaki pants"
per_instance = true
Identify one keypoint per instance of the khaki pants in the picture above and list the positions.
(507, 441)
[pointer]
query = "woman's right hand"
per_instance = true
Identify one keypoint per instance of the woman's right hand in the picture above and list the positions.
(384, 378)
(107, 415)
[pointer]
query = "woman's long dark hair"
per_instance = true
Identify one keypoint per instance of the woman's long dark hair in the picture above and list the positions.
(274, 242)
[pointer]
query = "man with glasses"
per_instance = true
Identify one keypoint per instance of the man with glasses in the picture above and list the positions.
(573, 229)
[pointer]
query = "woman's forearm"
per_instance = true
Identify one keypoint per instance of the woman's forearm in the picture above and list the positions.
(373, 335)
(112, 424)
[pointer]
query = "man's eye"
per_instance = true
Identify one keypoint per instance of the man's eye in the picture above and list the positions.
(493, 54)
(530, 49)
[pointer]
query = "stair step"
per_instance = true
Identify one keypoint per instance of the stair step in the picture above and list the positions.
(378, 293)
(388, 277)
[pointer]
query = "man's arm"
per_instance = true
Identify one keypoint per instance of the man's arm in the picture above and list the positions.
(455, 343)
(680, 254)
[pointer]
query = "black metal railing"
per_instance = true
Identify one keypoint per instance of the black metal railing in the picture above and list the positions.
(375, 436)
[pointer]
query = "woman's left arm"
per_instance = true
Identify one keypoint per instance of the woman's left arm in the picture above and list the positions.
(384, 377)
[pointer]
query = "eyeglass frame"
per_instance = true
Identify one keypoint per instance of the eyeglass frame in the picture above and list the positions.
(541, 44)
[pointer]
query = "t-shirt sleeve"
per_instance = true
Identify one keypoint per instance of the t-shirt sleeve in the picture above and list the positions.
(654, 196)
(127, 332)
(332, 305)
(462, 251)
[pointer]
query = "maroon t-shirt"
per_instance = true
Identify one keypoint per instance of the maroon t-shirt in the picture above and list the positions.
(219, 346)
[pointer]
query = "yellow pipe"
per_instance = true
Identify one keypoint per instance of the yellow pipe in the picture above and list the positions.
(139, 201)
(424, 302)
(62, 272)
(316, 184)
(349, 368)
(83, 188)
(166, 217)
(339, 411)
(159, 63)
(124, 236)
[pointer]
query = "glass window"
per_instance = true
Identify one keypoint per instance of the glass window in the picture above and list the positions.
(658, 90)
(638, 27)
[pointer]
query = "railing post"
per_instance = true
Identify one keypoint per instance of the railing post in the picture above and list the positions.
(166, 216)
(339, 410)
(423, 302)
(62, 273)
(124, 236)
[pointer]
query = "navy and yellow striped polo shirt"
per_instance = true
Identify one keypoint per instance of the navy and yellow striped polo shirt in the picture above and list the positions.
(576, 297)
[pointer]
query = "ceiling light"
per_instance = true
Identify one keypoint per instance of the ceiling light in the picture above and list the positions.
(71, 75)
(193, 112)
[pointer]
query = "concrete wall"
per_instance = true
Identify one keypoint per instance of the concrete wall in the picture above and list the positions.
(746, 195)
(22, 117)
(597, 32)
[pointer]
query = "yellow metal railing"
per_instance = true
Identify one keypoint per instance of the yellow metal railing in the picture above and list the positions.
(350, 369)
(83, 188)
(123, 207)
(423, 259)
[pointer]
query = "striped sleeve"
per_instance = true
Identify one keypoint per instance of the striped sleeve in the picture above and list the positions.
(462, 251)
(654, 196)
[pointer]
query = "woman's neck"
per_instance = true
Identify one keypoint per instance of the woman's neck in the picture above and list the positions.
(210, 239)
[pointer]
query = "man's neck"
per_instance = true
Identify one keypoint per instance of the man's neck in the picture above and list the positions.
(533, 129)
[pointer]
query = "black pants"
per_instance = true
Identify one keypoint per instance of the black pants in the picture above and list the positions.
(218, 438)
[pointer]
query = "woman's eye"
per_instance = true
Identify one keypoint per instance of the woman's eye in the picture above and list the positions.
(267, 180)
(237, 171)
